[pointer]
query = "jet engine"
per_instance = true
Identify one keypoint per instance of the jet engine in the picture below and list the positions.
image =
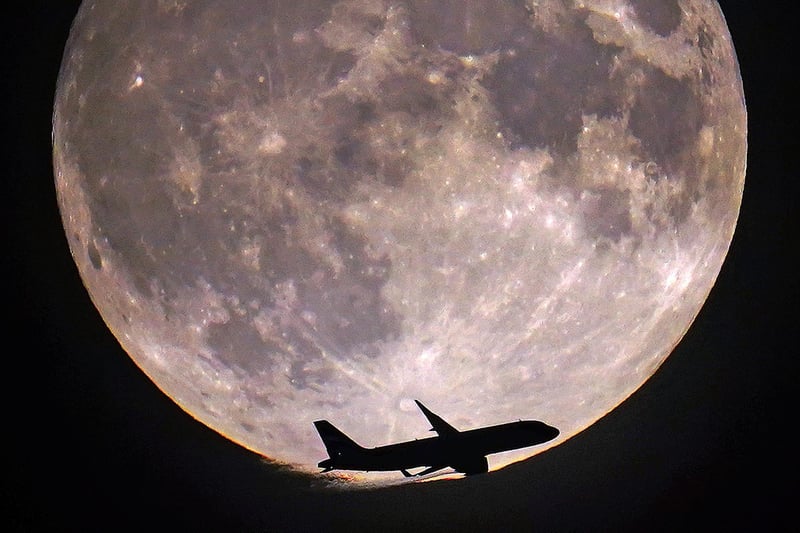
(472, 465)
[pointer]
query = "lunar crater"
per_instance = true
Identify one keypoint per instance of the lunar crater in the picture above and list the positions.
(661, 16)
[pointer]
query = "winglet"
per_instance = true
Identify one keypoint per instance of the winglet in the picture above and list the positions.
(439, 425)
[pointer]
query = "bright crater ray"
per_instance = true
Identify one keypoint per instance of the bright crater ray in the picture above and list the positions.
(292, 210)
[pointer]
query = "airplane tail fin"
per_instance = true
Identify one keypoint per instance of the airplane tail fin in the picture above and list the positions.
(336, 442)
(437, 422)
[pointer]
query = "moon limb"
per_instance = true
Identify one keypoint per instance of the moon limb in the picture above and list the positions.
(461, 252)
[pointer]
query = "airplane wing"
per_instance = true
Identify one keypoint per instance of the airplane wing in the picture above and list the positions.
(439, 425)
(425, 472)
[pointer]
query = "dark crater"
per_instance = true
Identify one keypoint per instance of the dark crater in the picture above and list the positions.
(666, 118)
(237, 344)
(606, 212)
(94, 256)
(543, 88)
(369, 139)
(661, 16)
(706, 43)
(321, 180)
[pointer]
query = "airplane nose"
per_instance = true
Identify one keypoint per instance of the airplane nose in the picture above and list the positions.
(543, 432)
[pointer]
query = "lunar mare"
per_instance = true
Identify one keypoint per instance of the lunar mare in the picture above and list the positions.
(293, 210)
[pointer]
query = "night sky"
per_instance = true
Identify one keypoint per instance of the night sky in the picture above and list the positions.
(705, 442)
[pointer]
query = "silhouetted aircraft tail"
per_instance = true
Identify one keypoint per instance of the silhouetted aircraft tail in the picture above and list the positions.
(438, 423)
(337, 443)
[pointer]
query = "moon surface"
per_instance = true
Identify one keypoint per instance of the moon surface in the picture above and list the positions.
(294, 210)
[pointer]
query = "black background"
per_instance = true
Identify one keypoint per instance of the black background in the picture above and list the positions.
(706, 442)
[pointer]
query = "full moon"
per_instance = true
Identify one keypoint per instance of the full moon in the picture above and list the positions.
(290, 210)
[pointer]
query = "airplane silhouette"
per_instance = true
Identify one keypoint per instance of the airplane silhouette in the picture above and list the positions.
(463, 451)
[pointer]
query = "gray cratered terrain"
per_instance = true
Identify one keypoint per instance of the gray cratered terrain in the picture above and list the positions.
(292, 210)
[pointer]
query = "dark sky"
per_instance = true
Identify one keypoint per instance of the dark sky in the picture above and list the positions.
(705, 442)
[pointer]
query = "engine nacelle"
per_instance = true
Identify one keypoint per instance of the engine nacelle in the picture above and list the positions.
(471, 465)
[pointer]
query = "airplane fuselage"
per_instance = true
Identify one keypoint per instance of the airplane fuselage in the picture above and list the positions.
(465, 451)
